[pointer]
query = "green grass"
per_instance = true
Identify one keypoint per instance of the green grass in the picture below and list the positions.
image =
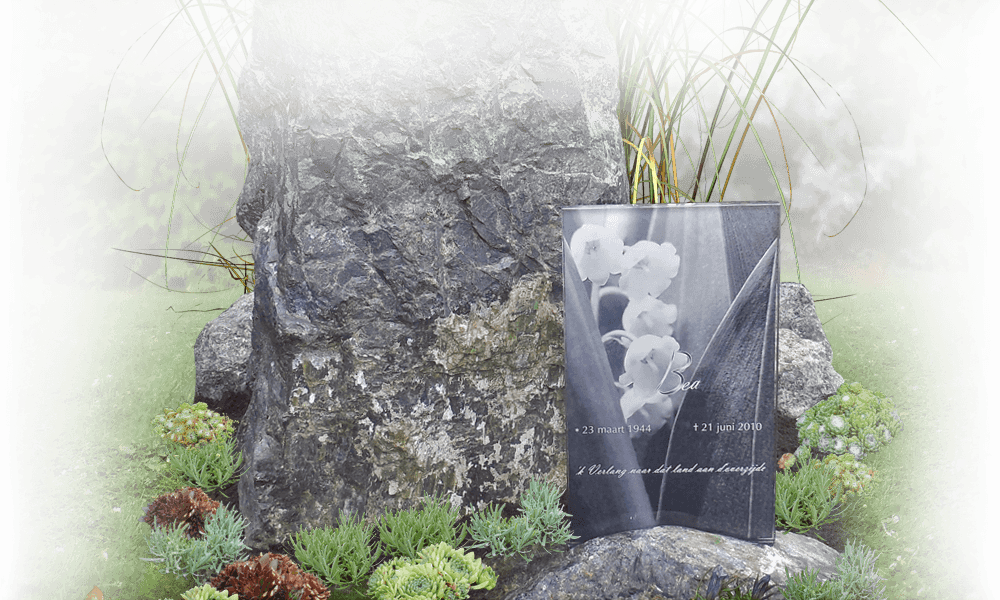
(90, 461)
(901, 337)
(97, 367)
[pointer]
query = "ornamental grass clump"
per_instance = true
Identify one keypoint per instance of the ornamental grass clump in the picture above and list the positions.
(438, 572)
(854, 420)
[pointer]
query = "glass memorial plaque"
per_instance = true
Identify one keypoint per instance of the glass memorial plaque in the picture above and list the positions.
(671, 341)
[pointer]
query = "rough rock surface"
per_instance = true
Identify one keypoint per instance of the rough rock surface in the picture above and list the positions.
(662, 562)
(222, 360)
(409, 163)
(805, 368)
(806, 375)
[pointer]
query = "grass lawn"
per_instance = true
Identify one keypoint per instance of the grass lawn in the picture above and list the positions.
(95, 367)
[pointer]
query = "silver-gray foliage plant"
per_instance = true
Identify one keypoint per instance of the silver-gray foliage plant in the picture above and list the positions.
(200, 558)
(542, 522)
(857, 578)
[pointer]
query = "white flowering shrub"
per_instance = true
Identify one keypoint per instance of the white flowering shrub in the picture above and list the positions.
(853, 421)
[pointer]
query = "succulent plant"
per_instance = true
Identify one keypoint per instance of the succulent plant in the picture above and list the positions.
(439, 572)
(272, 576)
(400, 579)
(465, 566)
(207, 592)
(192, 424)
(850, 475)
(188, 506)
(854, 420)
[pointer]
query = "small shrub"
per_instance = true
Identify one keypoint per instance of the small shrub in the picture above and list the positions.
(503, 537)
(857, 575)
(806, 585)
(210, 466)
(856, 579)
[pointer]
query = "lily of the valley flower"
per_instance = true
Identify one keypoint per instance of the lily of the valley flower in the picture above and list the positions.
(649, 316)
(652, 372)
(649, 267)
(597, 252)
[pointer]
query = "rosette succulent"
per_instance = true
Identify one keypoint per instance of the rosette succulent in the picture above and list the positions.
(207, 592)
(270, 576)
(854, 420)
(192, 424)
(439, 572)
(466, 567)
(850, 475)
(405, 580)
(189, 507)
(401, 579)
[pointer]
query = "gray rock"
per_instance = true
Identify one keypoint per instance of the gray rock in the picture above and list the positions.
(662, 562)
(409, 165)
(806, 376)
(805, 368)
(222, 360)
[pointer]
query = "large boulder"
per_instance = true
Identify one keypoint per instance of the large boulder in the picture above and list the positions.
(222, 360)
(805, 364)
(662, 562)
(409, 163)
(806, 375)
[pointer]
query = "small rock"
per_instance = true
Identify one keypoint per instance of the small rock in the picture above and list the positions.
(222, 360)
